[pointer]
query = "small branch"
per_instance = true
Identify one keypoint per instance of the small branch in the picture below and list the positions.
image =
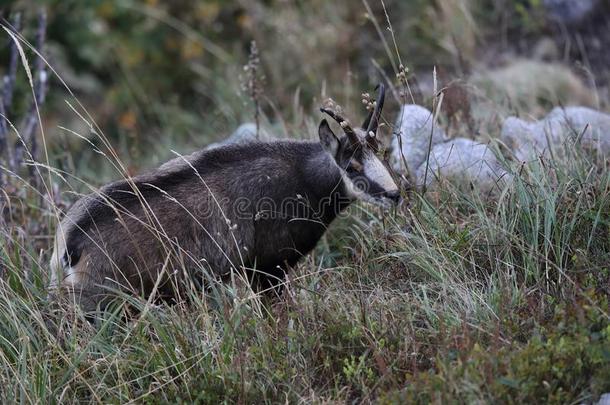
(3, 142)
(253, 84)
(437, 101)
(28, 132)
(6, 97)
(402, 78)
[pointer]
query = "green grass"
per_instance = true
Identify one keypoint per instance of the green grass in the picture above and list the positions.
(452, 299)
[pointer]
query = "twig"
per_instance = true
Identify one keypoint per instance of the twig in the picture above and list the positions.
(253, 83)
(372, 18)
(8, 85)
(6, 97)
(40, 89)
(387, 79)
(436, 107)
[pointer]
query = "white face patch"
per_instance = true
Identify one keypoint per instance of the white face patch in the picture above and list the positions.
(377, 172)
(357, 194)
(73, 275)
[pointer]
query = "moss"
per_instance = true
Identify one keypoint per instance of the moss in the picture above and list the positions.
(565, 360)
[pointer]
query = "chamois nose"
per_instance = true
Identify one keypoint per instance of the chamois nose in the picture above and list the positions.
(393, 195)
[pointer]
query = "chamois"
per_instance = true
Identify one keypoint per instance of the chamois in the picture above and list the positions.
(255, 208)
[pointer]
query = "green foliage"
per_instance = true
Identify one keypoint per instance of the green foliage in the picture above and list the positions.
(565, 360)
(161, 75)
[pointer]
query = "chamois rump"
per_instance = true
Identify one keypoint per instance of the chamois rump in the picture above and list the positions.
(255, 208)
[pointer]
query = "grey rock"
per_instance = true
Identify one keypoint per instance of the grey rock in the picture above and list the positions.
(412, 136)
(570, 12)
(604, 399)
(465, 160)
(245, 133)
(522, 138)
(561, 128)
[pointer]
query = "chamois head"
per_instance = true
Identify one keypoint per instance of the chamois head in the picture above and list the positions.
(355, 152)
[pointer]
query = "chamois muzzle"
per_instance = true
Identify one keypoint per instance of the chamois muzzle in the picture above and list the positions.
(393, 196)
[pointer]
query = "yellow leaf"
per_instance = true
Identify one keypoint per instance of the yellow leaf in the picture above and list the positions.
(128, 120)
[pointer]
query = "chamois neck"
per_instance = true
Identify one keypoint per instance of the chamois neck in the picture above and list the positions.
(325, 179)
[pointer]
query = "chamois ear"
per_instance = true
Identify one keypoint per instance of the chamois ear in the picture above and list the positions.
(328, 139)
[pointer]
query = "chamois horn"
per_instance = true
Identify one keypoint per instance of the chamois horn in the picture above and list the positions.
(349, 131)
(371, 123)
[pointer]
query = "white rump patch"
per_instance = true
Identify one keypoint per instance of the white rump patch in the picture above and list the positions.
(71, 276)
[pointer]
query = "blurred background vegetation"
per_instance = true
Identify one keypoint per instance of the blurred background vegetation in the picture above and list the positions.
(158, 75)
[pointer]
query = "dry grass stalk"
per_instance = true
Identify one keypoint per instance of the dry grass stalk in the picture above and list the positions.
(253, 83)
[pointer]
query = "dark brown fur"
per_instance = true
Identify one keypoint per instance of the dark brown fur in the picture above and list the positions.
(173, 221)
(255, 208)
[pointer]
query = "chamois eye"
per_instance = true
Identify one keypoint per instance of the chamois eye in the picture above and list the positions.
(354, 167)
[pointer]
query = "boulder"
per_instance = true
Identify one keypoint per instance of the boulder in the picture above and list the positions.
(412, 137)
(570, 12)
(465, 160)
(604, 399)
(560, 128)
(245, 133)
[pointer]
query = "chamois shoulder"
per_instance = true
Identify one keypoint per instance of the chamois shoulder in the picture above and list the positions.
(174, 172)
(231, 153)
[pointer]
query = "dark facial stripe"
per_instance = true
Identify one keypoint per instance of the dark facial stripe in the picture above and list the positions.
(374, 188)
